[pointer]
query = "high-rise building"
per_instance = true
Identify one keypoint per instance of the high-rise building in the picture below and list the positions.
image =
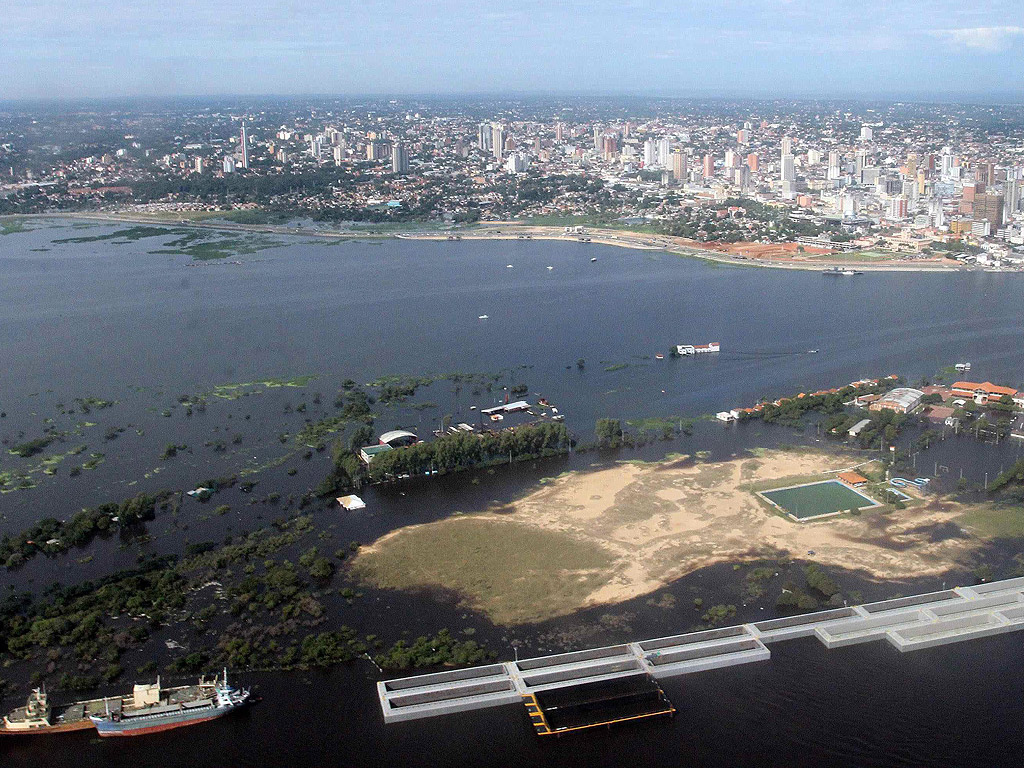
(339, 154)
(378, 149)
(228, 165)
(483, 137)
(598, 133)
(497, 141)
(245, 146)
(813, 156)
(862, 163)
(559, 131)
(753, 162)
(985, 173)
(664, 152)
(743, 136)
(866, 134)
(517, 163)
(610, 147)
(898, 208)
(679, 166)
(709, 166)
(946, 168)
(399, 158)
(788, 176)
(989, 207)
(198, 165)
(650, 153)
(788, 168)
(732, 160)
(741, 176)
(787, 146)
(1011, 195)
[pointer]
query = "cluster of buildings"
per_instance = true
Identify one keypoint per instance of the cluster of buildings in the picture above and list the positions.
(867, 178)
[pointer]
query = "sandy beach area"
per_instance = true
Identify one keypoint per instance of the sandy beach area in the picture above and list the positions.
(625, 531)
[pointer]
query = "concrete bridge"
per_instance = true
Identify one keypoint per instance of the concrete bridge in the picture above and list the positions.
(908, 623)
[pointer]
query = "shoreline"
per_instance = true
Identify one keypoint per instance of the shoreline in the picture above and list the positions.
(514, 230)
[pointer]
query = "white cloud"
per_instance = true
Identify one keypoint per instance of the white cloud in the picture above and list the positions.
(981, 38)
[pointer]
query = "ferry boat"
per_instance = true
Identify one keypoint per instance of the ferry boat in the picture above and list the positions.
(38, 716)
(841, 271)
(154, 709)
(697, 349)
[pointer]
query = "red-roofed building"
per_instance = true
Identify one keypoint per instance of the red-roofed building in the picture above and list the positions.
(985, 391)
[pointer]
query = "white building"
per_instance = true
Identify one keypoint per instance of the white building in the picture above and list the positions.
(517, 163)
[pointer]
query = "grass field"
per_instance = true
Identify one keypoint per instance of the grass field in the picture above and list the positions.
(514, 573)
(817, 499)
(994, 521)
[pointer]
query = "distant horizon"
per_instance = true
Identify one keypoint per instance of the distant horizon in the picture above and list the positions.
(765, 48)
(993, 98)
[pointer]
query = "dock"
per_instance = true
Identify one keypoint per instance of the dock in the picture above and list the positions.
(556, 688)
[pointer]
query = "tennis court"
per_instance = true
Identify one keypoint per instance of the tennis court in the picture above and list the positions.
(826, 497)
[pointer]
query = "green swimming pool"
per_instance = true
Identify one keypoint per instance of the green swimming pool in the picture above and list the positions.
(816, 499)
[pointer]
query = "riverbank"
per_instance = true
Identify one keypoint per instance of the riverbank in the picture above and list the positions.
(617, 533)
(775, 256)
(770, 256)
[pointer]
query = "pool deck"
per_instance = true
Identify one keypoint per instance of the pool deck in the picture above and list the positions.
(907, 623)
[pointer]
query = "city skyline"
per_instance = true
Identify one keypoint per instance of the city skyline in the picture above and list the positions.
(763, 48)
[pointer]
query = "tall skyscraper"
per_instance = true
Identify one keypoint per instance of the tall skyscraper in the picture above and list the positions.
(497, 141)
(610, 147)
(732, 160)
(245, 146)
(866, 134)
(559, 131)
(753, 162)
(709, 166)
(788, 168)
(946, 168)
(986, 173)
(399, 158)
(229, 164)
(483, 137)
(679, 164)
(598, 133)
(862, 163)
(664, 153)
(989, 208)
(787, 146)
(743, 136)
(1011, 196)
(650, 153)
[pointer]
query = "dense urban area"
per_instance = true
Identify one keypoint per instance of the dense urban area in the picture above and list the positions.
(766, 179)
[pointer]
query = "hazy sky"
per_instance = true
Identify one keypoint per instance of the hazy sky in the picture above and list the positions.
(677, 47)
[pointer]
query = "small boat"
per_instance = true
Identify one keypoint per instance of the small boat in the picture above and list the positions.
(482, 317)
(508, 266)
(659, 356)
(593, 259)
(550, 268)
(812, 351)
